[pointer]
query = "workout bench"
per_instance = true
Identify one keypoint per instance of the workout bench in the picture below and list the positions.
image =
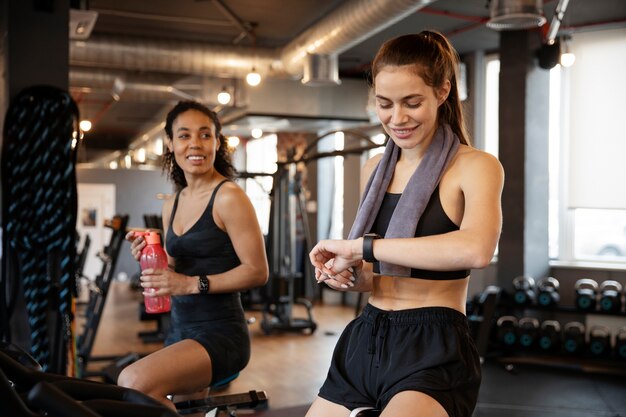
(365, 412)
(229, 402)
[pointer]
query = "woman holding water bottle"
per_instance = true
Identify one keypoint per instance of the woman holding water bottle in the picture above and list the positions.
(215, 250)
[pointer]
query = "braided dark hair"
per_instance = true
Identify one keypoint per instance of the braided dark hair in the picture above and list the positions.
(222, 164)
(436, 61)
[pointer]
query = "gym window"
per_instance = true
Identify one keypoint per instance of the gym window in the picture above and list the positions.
(330, 178)
(593, 212)
(587, 200)
(258, 189)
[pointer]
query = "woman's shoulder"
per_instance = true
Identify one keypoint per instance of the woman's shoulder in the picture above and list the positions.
(471, 158)
(168, 205)
(229, 192)
(473, 165)
(371, 163)
(168, 202)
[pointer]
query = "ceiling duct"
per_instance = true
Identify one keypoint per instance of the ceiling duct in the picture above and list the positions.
(516, 14)
(320, 70)
(137, 88)
(348, 25)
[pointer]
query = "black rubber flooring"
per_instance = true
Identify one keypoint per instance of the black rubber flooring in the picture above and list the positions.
(544, 391)
(534, 391)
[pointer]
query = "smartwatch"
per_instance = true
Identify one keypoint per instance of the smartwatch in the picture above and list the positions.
(368, 247)
(203, 284)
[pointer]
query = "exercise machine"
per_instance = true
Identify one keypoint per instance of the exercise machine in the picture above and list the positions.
(286, 248)
(98, 291)
(287, 214)
(27, 391)
(228, 403)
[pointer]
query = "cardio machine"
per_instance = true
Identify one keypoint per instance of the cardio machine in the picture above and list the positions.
(27, 391)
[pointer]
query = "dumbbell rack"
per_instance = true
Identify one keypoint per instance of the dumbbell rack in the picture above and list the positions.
(584, 363)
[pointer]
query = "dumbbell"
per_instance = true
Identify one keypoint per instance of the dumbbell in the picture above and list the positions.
(548, 292)
(507, 330)
(610, 296)
(574, 337)
(586, 294)
(620, 343)
(524, 290)
(550, 336)
(528, 330)
(599, 340)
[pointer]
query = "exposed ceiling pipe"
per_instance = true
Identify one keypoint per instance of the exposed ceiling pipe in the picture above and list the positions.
(170, 56)
(555, 24)
(345, 27)
(131, 88)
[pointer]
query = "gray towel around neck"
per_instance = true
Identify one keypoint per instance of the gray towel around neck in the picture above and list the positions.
(415, 196)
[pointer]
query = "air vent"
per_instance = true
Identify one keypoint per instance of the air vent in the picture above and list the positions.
(320, 70)
(516, 14)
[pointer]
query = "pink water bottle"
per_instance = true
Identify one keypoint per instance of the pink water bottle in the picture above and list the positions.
(153, 256)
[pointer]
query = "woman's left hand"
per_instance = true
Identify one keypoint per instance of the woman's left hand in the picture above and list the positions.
(166, 281)
(343, 253)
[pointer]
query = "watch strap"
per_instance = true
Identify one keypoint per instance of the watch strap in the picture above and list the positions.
(368, 247)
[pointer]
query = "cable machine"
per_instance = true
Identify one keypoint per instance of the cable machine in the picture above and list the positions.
(287, 249)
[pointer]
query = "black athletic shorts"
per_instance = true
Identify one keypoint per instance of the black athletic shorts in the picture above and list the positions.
(382, 353)
(218, 323)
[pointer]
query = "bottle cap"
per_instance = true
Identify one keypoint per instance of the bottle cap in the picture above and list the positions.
(153, 238)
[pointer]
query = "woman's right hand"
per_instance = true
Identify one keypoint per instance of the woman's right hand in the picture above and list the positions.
(137, 243)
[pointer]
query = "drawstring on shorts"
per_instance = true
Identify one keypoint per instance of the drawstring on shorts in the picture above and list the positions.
(378, 335)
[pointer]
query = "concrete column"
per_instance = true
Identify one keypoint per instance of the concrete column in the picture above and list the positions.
(523, 133)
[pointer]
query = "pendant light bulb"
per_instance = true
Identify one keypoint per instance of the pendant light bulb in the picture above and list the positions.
(253, 78)
(223, 96)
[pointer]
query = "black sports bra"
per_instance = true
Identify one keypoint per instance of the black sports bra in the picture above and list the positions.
(434, 221)
(204, 248)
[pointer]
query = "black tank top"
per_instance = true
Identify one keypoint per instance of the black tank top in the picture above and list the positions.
(204, 248)
(434, 221)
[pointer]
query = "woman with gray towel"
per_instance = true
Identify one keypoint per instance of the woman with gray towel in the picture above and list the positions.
(430, 212)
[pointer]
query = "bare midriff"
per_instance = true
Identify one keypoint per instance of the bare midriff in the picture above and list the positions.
(400, 293)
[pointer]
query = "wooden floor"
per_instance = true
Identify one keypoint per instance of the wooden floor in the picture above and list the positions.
(289, 367)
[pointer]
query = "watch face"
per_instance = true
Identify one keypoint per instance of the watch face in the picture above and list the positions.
(203, 284)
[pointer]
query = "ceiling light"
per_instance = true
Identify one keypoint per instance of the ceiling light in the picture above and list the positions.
(81, 23)
(256, 133)
(253, 78)
(113, 164)
(223, 97)
(516, 14)
(233, 141)
(567, 59)
(85, 125)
